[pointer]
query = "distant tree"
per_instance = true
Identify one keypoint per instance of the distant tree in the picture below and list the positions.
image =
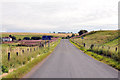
(10, 35)
(52, 36)
(63, 37)
(19, 39)
(82, 32)
(26, 38)
(68, 37)
(13, 37)
(35, 38)
(73, 35)
(54, 32)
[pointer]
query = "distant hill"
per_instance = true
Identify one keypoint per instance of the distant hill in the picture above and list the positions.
(22, 35)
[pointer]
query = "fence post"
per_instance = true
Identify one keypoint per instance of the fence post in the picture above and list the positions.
(17, 53)
(40, 44)
(8, 56)
(45, 43)
(30, 49)
(108, 50)
(116, 49)
(22, 51)
(91, 46)
(84, 44)
(102, 47)
(34, 49)
(48, 43)
(27, 49)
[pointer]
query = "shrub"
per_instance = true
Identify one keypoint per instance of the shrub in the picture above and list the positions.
(100, 52)
(13, 37)
(26, 38)
(82, 32)
(73, 35)
(4, 69)
(35, 38)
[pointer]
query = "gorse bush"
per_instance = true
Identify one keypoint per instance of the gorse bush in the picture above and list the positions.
(4, 69)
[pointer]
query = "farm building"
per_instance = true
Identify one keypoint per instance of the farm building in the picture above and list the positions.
(5, 39)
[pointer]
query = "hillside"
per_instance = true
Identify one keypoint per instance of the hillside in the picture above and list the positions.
(101, 38)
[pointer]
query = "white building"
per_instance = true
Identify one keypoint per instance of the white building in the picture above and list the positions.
(5, 39)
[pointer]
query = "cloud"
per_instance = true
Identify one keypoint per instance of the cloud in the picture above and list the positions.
(58, 15)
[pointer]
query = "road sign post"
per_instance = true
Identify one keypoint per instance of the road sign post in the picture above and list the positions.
(46, 38)
(45, 43)
(82, 39)
(17, 53)
(8, 56)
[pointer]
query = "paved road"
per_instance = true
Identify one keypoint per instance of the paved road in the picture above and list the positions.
(69, 62)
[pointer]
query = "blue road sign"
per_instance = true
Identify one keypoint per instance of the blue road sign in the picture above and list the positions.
(82, 38)
(46, 37)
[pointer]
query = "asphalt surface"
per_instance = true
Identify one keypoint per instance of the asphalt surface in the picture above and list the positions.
(67, 61)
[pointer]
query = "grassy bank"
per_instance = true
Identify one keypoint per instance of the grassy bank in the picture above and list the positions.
(104, 43)
(18, 73)
(98, 57)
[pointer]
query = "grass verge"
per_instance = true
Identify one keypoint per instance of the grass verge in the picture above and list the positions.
(98, 57)
(20, 72)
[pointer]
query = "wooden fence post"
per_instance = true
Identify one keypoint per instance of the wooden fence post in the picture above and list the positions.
(17, 53)
(116, 49)
(45, 43)
(102, 46)
(84, 44)
(48, 43)
(22, 51)
(34, 49)
(40, 44)
(30, 49)
(108, 50)
(27, 49)
(8, 56)
(91, 46)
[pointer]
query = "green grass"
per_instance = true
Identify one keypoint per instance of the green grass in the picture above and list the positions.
(20, 35)
(98, 57)
(22, 58)
(99, 37)
(20, 72)
(114, 42)
(105, 43)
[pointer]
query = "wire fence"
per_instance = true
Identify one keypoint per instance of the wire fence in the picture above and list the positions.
(108, 51)
(13, 57)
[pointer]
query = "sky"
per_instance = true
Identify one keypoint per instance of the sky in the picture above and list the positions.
(58, 15)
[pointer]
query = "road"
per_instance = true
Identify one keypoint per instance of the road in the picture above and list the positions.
(67, 61)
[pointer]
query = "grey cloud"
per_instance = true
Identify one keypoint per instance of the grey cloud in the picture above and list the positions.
(57, 14)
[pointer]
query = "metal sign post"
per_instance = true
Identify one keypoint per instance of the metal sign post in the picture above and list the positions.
(45, 43)
(46, 38)
(48, 43)
(82, 39)
(8, 56)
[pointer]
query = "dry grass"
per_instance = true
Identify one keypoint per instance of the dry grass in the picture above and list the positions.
(19, 33)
